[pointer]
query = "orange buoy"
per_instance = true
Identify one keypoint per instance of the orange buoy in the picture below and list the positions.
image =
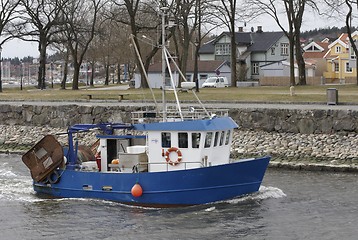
(137, 190)
(115, 161)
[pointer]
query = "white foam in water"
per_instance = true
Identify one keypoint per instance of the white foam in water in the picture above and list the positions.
(263, 193)
(210, 209)
(14, 187)
(270, 192)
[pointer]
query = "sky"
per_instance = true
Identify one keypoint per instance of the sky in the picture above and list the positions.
(18, 48)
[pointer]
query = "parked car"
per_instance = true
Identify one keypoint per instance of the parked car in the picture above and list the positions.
(216, 82)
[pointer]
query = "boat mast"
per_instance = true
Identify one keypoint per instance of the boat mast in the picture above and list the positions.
(164, 9)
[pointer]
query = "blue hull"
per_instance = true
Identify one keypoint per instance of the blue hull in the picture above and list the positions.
(184, 187)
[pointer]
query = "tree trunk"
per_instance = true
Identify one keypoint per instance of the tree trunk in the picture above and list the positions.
(92, 74)
(119, 73)
(300, 63)
(349, 32)
(42, 66)
(106, 81)
(76, 75)
(292, 60)
(65, 71)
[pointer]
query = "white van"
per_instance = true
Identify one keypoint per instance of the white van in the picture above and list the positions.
(216, 82)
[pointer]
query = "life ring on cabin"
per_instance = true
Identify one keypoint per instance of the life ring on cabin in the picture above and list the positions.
(54, 177)
(167, 158)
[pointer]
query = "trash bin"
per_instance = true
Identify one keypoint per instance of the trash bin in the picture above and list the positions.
(332, 96)
(132, 83)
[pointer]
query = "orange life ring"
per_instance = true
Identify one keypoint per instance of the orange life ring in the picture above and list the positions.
(167, 158)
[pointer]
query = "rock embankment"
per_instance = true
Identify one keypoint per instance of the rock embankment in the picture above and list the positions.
(302, 151)
(335, 152)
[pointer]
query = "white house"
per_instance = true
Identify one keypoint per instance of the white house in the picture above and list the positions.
(205, 69)
(254, 49)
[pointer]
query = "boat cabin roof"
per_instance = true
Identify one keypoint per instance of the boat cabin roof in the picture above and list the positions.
(214, 124)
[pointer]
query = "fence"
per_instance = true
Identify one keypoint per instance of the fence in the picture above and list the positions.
(285, 81)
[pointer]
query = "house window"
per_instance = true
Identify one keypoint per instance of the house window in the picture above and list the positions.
(284, 49)
(183, 140)
(273, 50)
(203, 76)
(338, 49)
(188, 77)
(255, 68)
(222, 49)
(348, 68)
(166, 140)
(336, 67)
(352, 53)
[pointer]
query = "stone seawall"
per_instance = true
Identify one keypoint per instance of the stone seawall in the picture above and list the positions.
(268, 120)
(299, 139)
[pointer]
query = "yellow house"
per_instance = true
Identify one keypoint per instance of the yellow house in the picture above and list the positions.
(340, 60)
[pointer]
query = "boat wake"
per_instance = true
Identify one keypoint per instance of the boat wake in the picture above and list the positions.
(263, 193)
(14, 186)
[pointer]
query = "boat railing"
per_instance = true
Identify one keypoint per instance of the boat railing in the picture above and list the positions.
(173, 115)
(186, 165)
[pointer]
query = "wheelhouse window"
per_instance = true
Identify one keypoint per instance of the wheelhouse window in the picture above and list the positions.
(183, 140)
(208, 139)
(166, 140)
(195, 140)
(222, 136)
(227, 137)
(216, 139)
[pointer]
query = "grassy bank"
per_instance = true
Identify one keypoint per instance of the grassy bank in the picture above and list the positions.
(316, 94)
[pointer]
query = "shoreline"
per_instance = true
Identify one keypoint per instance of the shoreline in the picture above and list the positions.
(294, 151)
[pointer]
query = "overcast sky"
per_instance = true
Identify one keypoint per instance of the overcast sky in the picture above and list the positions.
(17, 48)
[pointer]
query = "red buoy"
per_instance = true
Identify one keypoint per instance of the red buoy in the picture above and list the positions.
(137, 190)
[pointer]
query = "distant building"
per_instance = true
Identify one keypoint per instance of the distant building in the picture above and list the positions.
(340, 60)
(254, 50)
(314, 53)
(205, 69)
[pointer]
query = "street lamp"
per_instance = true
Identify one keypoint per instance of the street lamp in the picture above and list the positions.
(0, 69)
(21, 74)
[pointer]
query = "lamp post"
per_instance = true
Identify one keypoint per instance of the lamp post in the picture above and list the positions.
(196, 70)
(0, 69)
(21, 74)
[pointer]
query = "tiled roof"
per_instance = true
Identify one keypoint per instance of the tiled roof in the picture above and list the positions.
(256, 41)
(315, 54)
(263, 41)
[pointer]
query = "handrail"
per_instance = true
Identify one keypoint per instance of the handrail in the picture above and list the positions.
(168, 164)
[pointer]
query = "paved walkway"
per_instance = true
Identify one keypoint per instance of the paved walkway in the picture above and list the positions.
(215, 104)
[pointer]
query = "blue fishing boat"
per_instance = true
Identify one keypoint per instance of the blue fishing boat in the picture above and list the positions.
(162, 158)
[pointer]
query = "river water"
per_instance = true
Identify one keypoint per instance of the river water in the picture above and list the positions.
(289, 205)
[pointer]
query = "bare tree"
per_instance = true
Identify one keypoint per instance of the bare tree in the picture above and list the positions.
(353, 42)
(41, 20)
(141, 17)
(228, 9)
(81, 20)
(7, 16)
(294, 10)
